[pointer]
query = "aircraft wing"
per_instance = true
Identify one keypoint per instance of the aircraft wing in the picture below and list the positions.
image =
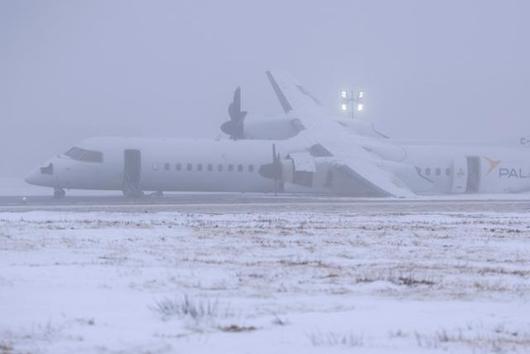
(378, 180)
(364, 167)
(349, 156)
(293, 97)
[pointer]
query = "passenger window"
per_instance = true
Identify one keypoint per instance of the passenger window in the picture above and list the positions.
(220, 168)
(250, 168)
(239, 168)
(167, 166)
(230, 168)
(438, 171)
(199, 167)
(155, 166)
(189, 167)
(448, 172)
(178, 167)
(428, 171)
(210, 167)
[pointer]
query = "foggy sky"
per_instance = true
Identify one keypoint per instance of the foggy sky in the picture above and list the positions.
(432, 69)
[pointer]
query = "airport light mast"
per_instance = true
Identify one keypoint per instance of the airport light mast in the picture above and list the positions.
(351, 101)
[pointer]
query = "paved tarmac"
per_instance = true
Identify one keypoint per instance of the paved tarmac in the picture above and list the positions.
(246, 203)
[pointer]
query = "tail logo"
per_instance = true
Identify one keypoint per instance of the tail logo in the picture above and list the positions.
(493, 164)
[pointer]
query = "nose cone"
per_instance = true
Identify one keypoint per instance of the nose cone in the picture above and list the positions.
(32, 178)
(42, 176)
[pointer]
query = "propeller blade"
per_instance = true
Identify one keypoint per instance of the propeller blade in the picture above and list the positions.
(235, 126)
(277, 170)
(274, 175)
(273, 171)
(236, 102)
(234, 109)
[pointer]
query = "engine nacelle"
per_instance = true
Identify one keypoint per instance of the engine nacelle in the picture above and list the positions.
(271, 128)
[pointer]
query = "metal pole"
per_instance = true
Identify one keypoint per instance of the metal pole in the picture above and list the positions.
(352, 99)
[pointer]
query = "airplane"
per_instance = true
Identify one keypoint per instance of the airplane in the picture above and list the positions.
(467, 166)
(285, 127)
(319, 155)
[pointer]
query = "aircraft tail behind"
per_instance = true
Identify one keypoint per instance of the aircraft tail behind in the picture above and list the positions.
(525, 141)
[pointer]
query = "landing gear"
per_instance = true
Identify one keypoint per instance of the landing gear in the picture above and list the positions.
(59, 193)
(133, 193)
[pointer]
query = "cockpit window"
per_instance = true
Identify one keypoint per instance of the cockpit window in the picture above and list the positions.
(79, 154)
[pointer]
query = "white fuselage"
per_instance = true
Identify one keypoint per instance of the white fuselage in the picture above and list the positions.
(234, 166)
(166, 165)
(470, 169)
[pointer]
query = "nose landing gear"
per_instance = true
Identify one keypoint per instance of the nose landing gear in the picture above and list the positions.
(59, 193)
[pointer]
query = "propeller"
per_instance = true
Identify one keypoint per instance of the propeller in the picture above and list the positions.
(235, 127)
(277, 166)
(274, 171)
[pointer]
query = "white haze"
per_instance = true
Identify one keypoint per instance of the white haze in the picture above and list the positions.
(432, 70)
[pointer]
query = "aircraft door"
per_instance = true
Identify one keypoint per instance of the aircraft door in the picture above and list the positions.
(132, 173)
(459, 183)
(473, 174)
(304, 168)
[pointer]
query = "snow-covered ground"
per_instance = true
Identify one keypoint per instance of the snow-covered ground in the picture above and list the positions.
(268, 282)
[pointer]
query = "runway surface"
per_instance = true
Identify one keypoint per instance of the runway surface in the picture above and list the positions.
(241, 202)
